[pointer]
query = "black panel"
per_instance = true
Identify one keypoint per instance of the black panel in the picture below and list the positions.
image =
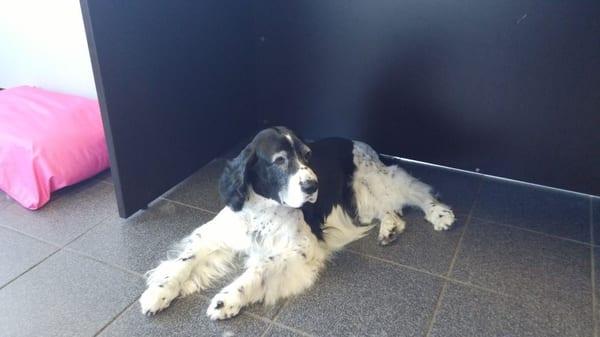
(175, 84)
(510, 87)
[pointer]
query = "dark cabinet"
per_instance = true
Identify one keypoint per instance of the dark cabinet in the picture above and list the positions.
(508, 87)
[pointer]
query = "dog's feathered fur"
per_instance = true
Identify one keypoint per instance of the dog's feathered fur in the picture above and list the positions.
(287, 211)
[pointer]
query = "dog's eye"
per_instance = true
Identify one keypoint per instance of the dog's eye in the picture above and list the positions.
(279, 160)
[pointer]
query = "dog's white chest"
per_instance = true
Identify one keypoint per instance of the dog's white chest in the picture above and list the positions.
(273, 227)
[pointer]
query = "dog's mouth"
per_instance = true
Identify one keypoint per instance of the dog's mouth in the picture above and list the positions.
(311, 198)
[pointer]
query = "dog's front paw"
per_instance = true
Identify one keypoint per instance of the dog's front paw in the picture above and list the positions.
(224, 305)
(156, 298)
(440, 216)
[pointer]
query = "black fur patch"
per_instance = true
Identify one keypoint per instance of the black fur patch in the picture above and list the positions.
(188, 258)
(333, 163)
(233, 184)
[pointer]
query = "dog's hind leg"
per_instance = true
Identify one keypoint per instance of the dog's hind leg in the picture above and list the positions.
(391, 225)
(382, 190)
(438, 214)
(201, 258)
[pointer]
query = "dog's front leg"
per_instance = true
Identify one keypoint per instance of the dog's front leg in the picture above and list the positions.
(203, 257)
(268, 279)
(248, 288)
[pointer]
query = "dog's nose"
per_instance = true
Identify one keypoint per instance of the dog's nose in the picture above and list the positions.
(309, 186)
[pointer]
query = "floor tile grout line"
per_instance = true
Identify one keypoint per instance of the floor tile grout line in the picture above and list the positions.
(62, 247)
(593, 270)
(188, 205)
(462, 235)
(59, 248)
(492, 291)
(276, 316)
(267, 330)
(272, 322)
(440, 276)
(283, 306)
(86, 231)
(394, 263)
(116, 317)
(497, 223)
(442, 293)
(248, 313)
(436, 309)
(30, 268)
(93, 258)
(292, 329)
(53, 244)
(518, 226)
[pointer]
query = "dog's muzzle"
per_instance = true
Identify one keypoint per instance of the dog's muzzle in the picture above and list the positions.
(310, 188)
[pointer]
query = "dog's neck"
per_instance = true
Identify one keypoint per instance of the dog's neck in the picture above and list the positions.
(256, 203)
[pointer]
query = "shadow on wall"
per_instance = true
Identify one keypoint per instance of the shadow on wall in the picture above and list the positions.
(404, 114)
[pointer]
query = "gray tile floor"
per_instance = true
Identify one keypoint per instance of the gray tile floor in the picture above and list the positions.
(520, 261)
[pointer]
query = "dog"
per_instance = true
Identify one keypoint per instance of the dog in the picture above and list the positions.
(289, 207)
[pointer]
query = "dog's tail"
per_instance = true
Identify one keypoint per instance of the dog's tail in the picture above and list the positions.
(341, 230)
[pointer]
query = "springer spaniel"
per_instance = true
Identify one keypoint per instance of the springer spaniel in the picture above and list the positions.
(289, 207)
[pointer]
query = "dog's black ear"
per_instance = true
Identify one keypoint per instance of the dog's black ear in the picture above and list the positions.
(300, 145)
(233, 185)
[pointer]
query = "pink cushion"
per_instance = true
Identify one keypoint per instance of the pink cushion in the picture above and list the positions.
(47, 141)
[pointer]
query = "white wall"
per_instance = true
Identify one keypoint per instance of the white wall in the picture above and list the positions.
(43, 43)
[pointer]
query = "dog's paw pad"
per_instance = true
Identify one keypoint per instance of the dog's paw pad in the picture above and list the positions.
(156, 298)
(224, 306)
(440, 216)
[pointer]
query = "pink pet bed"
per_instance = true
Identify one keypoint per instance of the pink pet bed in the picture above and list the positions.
(47, 141)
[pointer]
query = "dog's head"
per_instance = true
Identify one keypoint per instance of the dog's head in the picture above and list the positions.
(275, 165)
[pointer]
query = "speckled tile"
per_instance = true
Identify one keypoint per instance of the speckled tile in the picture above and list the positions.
(469, 312)
(277, 331)
(201, 188)
(71, 212)
(418, 246)
(19, 253)
(358, 296)
(5, 201)
(142, 241)
(541, 209)
(66, 295)
(518, 262)
(455, 188)
(187, 317)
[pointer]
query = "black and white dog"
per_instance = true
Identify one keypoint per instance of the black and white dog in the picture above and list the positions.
(289, 206)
